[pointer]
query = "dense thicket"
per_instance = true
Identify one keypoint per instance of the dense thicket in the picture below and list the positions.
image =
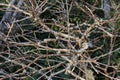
(59, 40)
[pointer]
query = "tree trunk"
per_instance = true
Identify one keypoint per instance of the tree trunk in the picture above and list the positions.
(105, 5)
(9, 16)
(7, 21)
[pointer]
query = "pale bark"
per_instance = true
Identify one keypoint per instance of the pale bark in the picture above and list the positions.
(105, 5)
(9, 15)
(7, 21)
